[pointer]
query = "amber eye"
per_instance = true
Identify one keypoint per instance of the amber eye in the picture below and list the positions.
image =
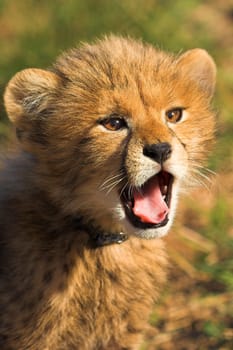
(174, 115)
(114, 123)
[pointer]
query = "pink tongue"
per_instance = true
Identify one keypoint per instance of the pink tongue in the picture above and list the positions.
(149, 205)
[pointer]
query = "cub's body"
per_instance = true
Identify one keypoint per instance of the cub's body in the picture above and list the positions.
(59, 292)
(89, 167)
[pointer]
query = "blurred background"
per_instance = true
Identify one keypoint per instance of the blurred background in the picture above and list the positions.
(195, 310)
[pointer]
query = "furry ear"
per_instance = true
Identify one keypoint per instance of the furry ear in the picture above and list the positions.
(28, 94)
(198, 65)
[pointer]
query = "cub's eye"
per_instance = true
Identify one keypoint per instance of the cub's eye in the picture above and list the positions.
(174, 115)
(114, 123)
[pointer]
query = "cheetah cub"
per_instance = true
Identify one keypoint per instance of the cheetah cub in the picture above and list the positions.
(107, 139)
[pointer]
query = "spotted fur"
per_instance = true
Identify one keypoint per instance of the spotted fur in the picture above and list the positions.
(56, 290)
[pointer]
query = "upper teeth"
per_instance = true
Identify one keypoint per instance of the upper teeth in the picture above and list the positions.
(164, 190)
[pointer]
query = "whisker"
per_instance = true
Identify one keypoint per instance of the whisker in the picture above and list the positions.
(113, 185)
(197, 179)
(110, 178)
(196, 171)
(203, 168)
(130, 191)
(108, 181)
(124, 187)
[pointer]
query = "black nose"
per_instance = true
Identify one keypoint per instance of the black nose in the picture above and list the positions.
(158, 151)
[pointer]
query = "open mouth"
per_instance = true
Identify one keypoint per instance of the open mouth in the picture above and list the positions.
(149, 205)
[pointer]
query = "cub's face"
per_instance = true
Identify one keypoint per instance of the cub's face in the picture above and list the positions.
(117, 129)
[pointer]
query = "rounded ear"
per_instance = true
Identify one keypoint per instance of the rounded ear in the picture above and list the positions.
(198, 66)
(28, 94)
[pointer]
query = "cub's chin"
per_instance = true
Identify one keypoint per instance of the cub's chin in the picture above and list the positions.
(147, 233)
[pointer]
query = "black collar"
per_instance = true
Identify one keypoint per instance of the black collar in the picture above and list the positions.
(97, 237)
(101, 239)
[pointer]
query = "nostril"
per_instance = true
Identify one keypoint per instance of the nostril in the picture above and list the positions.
(158, 151)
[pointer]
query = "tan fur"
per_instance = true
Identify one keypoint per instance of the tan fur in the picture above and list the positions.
(57, 291)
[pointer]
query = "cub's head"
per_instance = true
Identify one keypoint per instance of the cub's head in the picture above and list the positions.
(116, 129)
